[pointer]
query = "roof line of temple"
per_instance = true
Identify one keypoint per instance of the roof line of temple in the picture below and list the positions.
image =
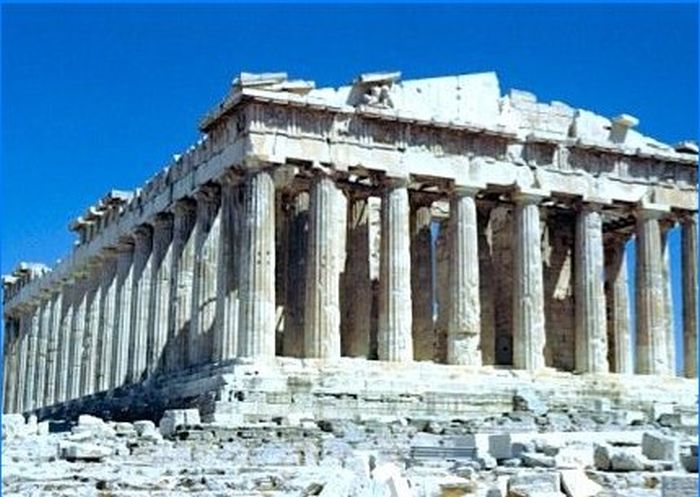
(383, 96)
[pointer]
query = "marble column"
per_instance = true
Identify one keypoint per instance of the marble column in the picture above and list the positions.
(689, 268)
(356, 320)
(32, 339)
(122, 312)
(64, 340)
(298, 226)
(23, 341)
(652, 355)
(591, 330)
(395, 321)
(464, 327)
(10, 339)
(225, 342)
(161, 267)
(257, 285)
(442, 290)
(52, 346)
(88, 372)
(182, 279)
(106, 330)
(487, 287)
(42, 350)
(77, 335)
(617, 302)
(322, 309)
(669, 326)
(140, 303)
(206, 254)
(528, 285)
(422, 280)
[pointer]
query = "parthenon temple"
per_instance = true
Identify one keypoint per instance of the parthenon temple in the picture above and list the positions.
(431, 239)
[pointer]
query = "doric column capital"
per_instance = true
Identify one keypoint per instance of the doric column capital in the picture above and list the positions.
(231, 177)
(651, 211)
(393, 182)
(466, 190)
(209, 192)
(528, 196)
(184, 206)
(142, 232)
(163, 220)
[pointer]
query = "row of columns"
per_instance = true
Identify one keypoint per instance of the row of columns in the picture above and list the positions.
(197, 285)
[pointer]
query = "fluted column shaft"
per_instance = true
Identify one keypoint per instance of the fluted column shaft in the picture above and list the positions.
(206, 254)
(10, 339)
(64, 341)
(652, 354)
(617, 302)
(257, 305)
(88, 372)
(689, 267)
(395, 321)
(52, 347)
(77, 335)
(42, 351)
(23, 338)
(422, 282)
(356, 320)
(528, 286)
(464, 327)
(591, 326)
(669, 325)
(487, 287)
(33, 335)
(322, 316)
(161, 274)
(122, 313)
(442, 290)
(298, 226)
(182, 279)
(106, 330)
(225, 343)
(140, 303)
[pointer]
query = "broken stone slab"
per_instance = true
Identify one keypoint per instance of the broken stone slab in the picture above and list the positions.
(679, 485)
(144, 426)
(546, 481)
(175, 418)
(537, 460)
(575, 483)
(500, 446)
(659, 447)
(75, 451)
(626, 461)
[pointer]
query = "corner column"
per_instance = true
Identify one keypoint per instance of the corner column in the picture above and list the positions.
(528, 287)
(257, 286)
(689, 267)
(652, 354)
(591, 331)
(464, 328)
(322, 309)
(394, 338)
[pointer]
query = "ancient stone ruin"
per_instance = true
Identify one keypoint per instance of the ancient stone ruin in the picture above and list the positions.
(427, 248)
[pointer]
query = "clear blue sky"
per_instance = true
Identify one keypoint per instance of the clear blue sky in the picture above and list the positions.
(99, 97)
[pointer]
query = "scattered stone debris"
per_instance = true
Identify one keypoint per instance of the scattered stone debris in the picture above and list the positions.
(184, 455)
